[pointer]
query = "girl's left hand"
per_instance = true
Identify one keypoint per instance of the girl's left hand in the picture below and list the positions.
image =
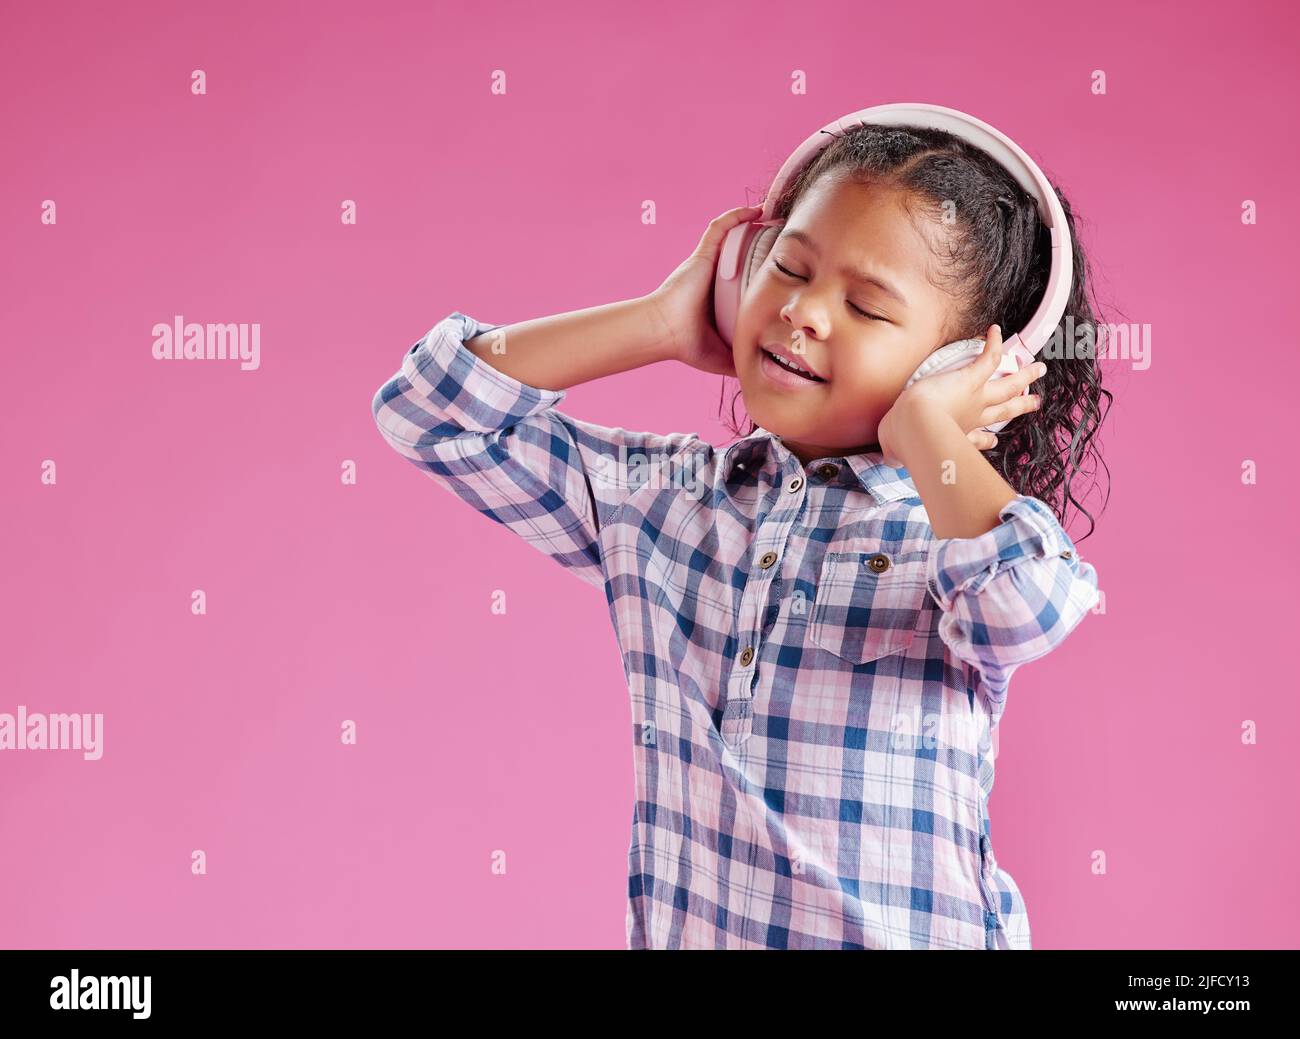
(968, 397)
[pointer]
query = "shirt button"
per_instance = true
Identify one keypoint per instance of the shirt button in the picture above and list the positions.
(768, 559)
(1067, 555)
(794, 484)
(879, 563)
(827, 471)
(747, 656)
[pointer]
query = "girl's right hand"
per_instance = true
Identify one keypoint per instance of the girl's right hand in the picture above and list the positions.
(684, 302)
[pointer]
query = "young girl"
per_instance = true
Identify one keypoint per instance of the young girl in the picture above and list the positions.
(818, 622)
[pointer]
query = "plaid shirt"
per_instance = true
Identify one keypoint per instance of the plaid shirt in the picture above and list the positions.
(814, 676)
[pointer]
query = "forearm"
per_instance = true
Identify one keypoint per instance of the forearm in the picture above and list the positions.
(556, 352)
(962, 493)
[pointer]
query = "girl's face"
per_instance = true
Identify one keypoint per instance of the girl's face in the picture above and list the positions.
(850, 250)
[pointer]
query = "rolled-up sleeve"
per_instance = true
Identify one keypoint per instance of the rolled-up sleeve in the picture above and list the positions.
(1010, 595)
(501, 446)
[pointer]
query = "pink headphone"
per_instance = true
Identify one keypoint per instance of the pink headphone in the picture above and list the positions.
(747, 245)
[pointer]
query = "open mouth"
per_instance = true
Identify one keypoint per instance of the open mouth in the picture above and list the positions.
(791, 367)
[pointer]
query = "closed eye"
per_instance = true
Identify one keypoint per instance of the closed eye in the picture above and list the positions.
(857, 309)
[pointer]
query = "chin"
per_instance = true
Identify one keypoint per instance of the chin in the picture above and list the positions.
(769, 414)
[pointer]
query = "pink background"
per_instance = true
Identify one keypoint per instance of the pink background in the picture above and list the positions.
(371, 602)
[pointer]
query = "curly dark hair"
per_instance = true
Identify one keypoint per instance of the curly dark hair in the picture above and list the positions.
(996, 258)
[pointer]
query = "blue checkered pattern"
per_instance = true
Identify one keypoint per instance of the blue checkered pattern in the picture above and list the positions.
(814, 677)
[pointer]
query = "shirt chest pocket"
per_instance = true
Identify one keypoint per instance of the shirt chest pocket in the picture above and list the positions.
(868, 604)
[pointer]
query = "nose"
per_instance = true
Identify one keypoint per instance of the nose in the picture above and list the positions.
(805, 321)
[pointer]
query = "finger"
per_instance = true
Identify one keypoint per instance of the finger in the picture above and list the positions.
(724, 222)
(993, 348)
(1033, 372)
(1014, 385)
(732, 217)
(1016, 406)
(1008, 387)
(1025, 376)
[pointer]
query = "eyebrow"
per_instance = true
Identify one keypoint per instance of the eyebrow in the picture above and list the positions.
(883, 286)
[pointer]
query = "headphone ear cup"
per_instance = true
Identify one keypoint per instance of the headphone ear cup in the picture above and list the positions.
(743, 250)
(762, 245)
(948, 358)
(958, 355)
